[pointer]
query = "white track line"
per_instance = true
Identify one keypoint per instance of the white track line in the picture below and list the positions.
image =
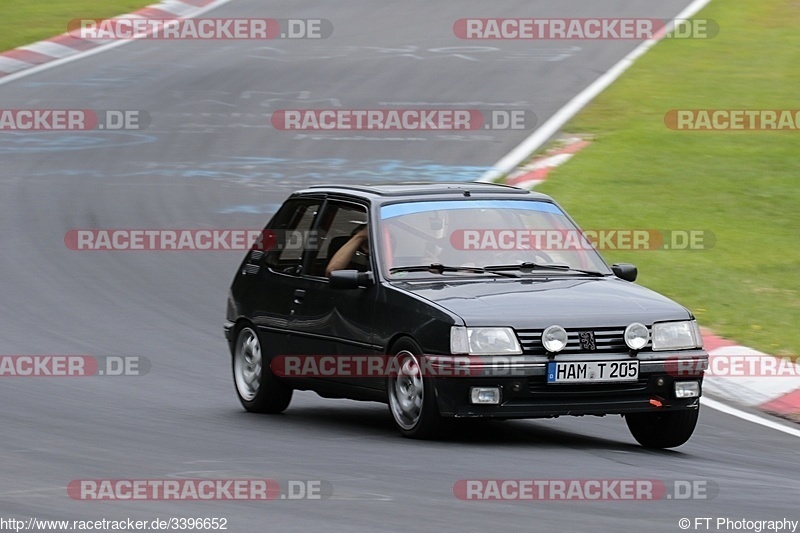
(750, 417)
(563, 115)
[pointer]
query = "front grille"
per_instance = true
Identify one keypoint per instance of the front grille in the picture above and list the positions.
(607, 340)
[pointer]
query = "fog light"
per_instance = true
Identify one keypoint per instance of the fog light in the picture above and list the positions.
(687, 389)
(636, 336)
(486, 395)
(554, 339)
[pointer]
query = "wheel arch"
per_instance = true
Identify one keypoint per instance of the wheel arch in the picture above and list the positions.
(396, 338)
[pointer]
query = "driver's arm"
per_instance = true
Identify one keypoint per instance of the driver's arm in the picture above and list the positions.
(342, 258)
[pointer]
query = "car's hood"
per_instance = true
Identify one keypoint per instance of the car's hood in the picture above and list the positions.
(539, 302)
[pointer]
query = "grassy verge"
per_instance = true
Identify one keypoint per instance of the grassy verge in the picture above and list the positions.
(27, 21)
(744, 186)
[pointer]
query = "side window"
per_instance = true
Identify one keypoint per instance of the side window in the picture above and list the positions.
(290, 229)
(340, 221)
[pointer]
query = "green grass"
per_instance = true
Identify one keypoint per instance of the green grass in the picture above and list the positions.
(27, 21)
(742, 186)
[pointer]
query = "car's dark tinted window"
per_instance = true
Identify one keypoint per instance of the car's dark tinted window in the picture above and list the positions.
(291, 229)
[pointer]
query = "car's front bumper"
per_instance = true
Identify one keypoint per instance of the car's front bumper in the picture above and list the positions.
(525, 392)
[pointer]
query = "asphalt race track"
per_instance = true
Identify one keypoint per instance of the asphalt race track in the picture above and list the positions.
(211, 159)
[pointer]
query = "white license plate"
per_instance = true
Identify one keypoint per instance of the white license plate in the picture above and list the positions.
(592, 371)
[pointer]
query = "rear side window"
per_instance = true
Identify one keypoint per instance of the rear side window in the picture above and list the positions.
(290, 230)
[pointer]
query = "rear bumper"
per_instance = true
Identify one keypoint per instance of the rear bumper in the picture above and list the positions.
(525, 392)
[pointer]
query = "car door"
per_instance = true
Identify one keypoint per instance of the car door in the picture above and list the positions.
(268, 282)
(340, 320)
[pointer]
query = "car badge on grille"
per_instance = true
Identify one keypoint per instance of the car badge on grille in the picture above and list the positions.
(587, 341)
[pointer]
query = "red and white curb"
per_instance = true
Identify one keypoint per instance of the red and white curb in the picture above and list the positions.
(536, 171)
(775, 394)
(65, 46)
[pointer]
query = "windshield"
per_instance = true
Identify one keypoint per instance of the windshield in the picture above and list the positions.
(480, 234)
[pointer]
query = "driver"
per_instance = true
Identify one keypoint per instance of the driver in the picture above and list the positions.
(354, 254)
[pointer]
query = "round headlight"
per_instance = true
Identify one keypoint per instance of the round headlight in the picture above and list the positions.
(636, 336)
(554, 338)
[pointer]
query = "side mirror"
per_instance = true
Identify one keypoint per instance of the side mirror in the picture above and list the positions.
(625, 271)
(350, 279)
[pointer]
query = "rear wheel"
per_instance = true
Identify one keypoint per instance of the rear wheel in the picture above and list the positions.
(412, 400)
(662, 430)
(257, 387)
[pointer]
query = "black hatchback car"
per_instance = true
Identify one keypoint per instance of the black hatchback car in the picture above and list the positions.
(449, 301)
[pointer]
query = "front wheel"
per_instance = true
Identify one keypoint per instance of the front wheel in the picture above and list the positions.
(411, 396)
(663, 430)
(257, 387)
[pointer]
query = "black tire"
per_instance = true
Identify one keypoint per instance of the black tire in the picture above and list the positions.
(411, 398)
(256, 386)
(663, 430)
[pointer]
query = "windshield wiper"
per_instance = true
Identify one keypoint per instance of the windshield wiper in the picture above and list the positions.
(537, 266)
(438, 268)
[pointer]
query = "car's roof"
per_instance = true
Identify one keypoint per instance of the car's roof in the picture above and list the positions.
(416, 190)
